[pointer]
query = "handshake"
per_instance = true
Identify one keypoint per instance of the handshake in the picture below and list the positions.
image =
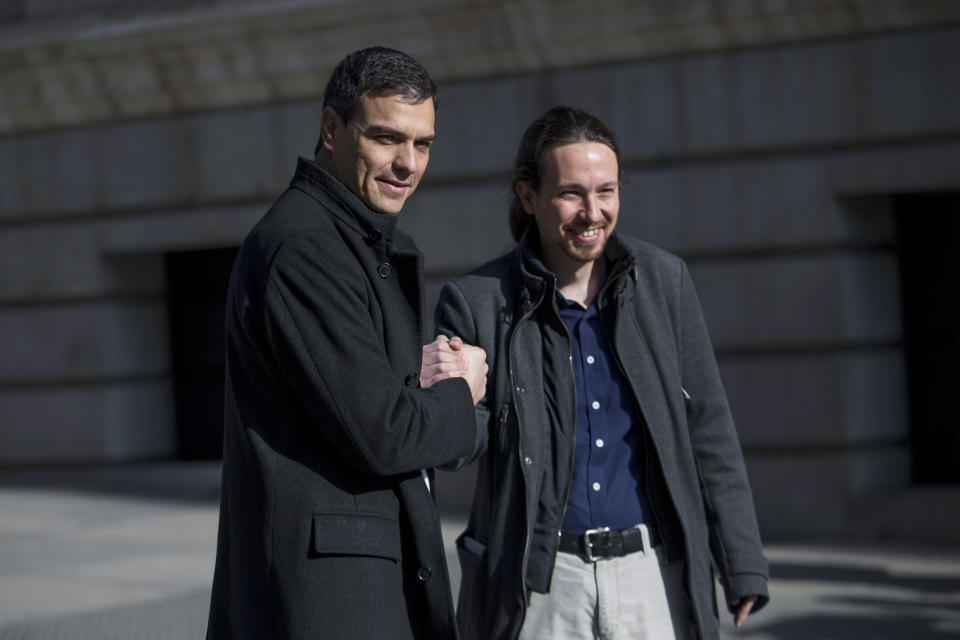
(451, 358)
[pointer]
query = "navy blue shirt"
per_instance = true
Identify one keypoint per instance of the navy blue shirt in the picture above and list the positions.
(606, 488)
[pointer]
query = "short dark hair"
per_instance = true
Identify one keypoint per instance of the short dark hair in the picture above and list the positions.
(376, 71)
(557, 127)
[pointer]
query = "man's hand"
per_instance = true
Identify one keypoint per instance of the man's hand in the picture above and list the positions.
(741, 609)
(440, 362)
(451, 358)
(476, 367)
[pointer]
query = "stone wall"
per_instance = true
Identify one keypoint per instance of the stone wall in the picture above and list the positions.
(763, 142)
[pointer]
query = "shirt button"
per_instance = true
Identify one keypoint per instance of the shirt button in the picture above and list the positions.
(600, 442)
(595, 404)
(528, 460)
(424, 574)
(590, 359)
(596, 486)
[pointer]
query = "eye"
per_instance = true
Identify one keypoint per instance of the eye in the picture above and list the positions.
(424, 145)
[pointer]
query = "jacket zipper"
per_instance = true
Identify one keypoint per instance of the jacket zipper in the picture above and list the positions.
(520, 457)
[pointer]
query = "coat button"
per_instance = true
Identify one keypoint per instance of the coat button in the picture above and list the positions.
(424, 574)
(411, 378)
(376, 235)
(384, 270)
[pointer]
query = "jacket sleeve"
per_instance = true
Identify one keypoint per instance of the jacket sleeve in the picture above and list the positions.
(454, 317)
(734, 532)
(322, 334)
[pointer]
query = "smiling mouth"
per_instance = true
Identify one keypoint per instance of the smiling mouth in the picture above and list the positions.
(393, 187)
(587, 235)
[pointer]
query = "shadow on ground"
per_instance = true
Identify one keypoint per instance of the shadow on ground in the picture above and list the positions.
(873, 604)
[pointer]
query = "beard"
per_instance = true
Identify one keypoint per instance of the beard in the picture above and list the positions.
(583, 253)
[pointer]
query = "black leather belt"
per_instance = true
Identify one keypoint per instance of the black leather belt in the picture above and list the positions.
(603, 543)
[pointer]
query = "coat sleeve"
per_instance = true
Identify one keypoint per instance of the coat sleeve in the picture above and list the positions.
(322, 334)
(734, 532)
(453, 317)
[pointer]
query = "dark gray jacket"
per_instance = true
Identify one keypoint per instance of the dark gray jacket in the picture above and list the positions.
(695, 476)
(327, 529)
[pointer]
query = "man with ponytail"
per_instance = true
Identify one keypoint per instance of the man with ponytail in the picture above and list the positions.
(612, 485)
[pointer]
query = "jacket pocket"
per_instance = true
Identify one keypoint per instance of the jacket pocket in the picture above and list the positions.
(471, 604)
(355, 534)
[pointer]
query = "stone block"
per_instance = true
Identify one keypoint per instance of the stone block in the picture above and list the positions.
(734, 205)
(811, 494)
(821, 299)
(930, 166)
(65, 261)
(82, 341)
(97, 423)
(818, 399)
(238, 154)
(179, 230)
(230, 156)
(297, 132)
(479, 125)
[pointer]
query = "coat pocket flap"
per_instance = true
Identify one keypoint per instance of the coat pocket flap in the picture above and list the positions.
(356, 534)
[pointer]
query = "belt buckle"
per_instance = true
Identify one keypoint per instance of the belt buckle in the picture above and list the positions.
(587, 545)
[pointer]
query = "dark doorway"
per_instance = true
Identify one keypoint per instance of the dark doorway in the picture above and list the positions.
(928, 242)
(196, 295)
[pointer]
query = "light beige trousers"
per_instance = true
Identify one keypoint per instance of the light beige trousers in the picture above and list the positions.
(637, 596)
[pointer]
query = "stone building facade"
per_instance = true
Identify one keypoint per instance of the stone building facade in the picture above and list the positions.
(802, 155)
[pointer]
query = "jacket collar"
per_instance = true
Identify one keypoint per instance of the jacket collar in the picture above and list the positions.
(538, 279)
(352, 211)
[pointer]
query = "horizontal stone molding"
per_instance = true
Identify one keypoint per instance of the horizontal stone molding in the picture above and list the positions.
(96, 68)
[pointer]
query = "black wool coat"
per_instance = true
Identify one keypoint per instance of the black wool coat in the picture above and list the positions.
(327, 527)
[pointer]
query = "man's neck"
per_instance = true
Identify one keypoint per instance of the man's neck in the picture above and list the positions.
(579, 281)
(323, 159)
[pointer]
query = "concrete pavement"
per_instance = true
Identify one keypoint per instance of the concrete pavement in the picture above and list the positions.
(127, 553)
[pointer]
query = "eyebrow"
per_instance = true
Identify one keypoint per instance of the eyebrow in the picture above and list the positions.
(380, 130)
(577, 185)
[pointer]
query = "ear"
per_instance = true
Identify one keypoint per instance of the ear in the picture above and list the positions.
(525, 194)
(330, 125)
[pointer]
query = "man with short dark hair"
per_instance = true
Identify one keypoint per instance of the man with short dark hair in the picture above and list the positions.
(334, 410)
(612, 476)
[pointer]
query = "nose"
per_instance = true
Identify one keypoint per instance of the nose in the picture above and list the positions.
(591, 209)
(405, 161)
